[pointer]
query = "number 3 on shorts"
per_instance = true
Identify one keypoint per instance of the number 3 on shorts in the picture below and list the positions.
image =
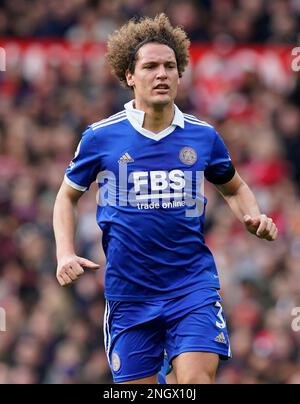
(221, 323)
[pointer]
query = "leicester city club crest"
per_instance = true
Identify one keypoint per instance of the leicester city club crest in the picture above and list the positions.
(116, 362)
(188, 156)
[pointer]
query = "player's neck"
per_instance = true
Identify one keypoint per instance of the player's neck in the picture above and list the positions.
(157, 118)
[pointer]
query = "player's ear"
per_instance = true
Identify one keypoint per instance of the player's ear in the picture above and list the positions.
(129, 78)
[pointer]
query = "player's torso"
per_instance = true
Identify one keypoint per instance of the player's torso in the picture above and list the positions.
(148, 170)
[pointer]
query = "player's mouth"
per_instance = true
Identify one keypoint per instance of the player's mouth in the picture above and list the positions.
(162, 88)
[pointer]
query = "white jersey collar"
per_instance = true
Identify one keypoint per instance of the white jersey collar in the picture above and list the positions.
(136, 118)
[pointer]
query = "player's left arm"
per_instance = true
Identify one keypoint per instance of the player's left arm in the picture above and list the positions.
(244, 205)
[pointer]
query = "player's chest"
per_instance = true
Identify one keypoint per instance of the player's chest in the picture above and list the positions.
(148, 155)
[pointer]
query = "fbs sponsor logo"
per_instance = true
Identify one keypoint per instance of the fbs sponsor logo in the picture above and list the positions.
(150, 189)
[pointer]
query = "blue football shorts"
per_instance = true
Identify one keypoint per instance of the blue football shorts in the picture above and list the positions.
(137, 335)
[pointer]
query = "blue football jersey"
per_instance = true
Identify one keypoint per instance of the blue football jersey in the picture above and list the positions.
(151, 204)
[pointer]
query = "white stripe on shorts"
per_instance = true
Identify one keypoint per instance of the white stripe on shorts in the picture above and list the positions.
(106, 331)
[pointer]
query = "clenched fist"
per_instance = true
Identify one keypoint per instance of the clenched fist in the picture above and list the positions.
(262, 226)
(71, 268)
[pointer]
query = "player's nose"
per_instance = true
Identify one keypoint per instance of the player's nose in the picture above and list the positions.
(161, 72)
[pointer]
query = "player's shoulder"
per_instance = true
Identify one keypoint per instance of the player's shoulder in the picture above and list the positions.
(108, 122)
(193, 120)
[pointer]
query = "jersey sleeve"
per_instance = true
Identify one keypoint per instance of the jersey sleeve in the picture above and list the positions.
(220, 168)
(85, 166)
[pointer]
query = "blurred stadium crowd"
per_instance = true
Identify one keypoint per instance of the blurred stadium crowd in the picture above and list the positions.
(53, 334)
(243, 20)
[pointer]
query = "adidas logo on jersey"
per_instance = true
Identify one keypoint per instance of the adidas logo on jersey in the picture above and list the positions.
(221, 338)
(126, 158)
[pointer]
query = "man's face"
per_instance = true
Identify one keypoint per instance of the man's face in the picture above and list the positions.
(155, 78)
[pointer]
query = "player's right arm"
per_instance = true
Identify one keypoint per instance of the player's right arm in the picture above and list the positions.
(69, 266)
(80, 174)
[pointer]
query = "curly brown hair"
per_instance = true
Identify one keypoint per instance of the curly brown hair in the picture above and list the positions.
(123, 45)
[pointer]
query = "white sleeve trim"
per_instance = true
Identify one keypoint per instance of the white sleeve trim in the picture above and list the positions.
(73, 185)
